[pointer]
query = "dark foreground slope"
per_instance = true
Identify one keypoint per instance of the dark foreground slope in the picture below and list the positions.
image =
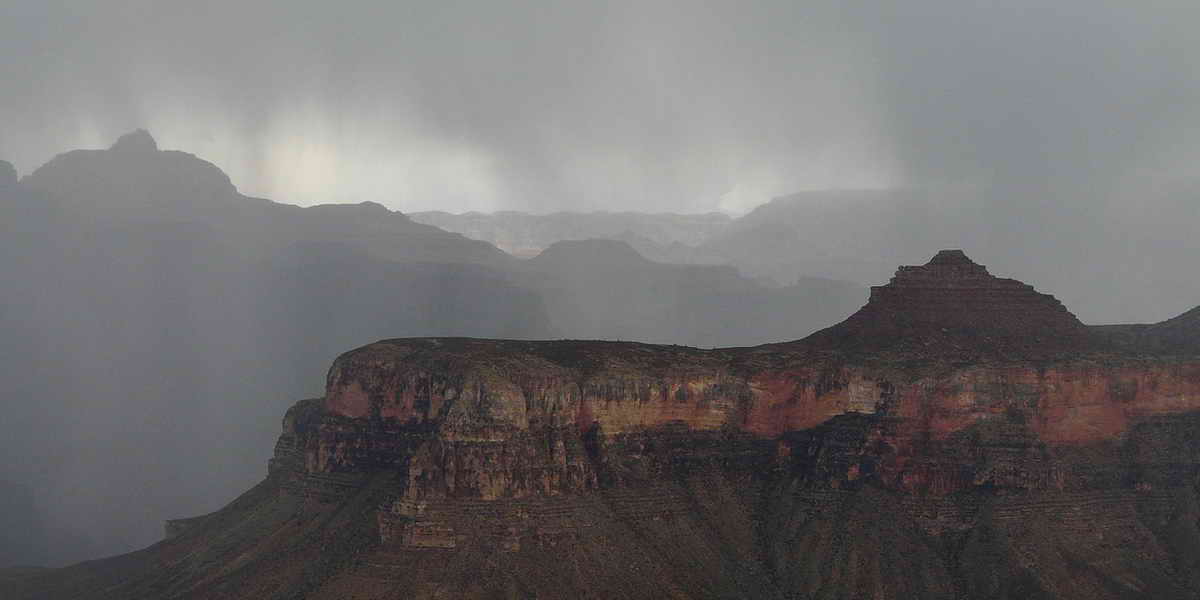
(962, 463)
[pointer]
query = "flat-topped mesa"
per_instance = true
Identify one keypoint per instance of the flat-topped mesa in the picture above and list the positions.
(953, 298)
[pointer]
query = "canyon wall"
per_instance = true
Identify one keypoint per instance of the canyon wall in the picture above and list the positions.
(904, 453)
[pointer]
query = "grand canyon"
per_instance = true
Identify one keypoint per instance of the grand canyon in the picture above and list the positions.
(527, 300)
(960, 436)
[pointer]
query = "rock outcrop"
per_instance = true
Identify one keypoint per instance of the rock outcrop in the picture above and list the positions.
(952, 305)
(961, 436)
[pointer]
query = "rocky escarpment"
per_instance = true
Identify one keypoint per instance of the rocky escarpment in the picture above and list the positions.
(962, 436)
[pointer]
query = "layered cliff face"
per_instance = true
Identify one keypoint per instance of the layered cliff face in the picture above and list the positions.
(962, 436)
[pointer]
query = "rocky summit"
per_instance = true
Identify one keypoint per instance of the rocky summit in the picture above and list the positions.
(961, 436)
(952, 304)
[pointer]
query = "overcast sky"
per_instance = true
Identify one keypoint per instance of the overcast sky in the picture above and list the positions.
(647, 105)
(1067, 132)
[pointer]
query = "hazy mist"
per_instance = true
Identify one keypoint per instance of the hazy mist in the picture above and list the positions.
(159, 314)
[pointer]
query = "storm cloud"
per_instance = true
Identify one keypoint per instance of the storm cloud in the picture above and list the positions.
(1056, 140)
(682, 106)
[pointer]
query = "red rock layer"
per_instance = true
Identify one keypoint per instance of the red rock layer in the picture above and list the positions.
(500, 393)
(479, 401)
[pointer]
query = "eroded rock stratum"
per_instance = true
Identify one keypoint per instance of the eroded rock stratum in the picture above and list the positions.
(961, 436)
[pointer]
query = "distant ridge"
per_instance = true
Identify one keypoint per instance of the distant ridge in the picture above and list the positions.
(589, 252)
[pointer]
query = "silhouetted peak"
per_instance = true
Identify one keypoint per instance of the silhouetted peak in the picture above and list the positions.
(133, 174)
(8, 173)
(374, 207)
(593, 252)
(951, 257)
(948, 267)
(953, 304)
(138, 140)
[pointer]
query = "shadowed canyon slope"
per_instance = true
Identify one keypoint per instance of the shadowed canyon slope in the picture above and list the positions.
(961, 436)
(155, 311)
(170, 318)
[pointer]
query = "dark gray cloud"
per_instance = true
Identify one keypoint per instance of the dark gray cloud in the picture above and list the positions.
(1059, 136)
(459, 105)
(1037, 91)
(1073, 111)
(670, 105)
